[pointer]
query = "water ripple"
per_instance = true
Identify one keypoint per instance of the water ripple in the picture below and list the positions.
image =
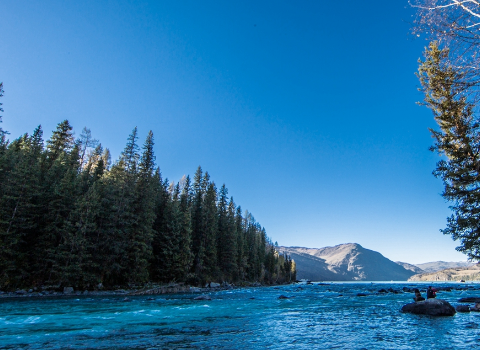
(315, 316)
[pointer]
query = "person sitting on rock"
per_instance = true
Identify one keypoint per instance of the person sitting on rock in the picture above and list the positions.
(431, 292)
(418, 295)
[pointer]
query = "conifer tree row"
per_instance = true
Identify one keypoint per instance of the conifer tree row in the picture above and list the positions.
(69, 217)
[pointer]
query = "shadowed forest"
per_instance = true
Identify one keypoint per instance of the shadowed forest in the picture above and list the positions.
(69, 216)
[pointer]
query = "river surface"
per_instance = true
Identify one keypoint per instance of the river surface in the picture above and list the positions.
(314, 317)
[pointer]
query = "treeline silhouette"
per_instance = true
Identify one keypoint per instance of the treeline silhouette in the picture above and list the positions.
(68, 216)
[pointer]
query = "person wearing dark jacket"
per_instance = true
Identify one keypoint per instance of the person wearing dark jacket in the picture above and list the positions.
(431, 293)
(418, 295)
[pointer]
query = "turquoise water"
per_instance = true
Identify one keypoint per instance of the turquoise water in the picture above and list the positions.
(315, 317)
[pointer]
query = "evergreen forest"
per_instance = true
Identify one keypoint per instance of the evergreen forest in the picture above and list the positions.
(69, 216)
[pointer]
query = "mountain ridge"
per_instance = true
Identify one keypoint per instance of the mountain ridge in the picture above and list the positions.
(352, 262)
(345, 262)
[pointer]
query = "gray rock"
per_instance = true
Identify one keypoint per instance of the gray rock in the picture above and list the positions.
(85, 292)
(30, 290)
(194, 289)
(20, 292)
(213, 285)
(462, 308)
(432, 307)
(283, 297)
(67, 290)
(469, 300)
(100, 286)
(202, 297)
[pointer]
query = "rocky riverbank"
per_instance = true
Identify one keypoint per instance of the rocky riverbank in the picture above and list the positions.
(151, 289)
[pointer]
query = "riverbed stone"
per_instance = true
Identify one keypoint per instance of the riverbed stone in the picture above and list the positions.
(462, 308)
(67, 290)
(469, 300)
(202, 297)
(432, 307)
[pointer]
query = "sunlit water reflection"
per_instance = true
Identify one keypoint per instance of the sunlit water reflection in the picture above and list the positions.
(314, 317)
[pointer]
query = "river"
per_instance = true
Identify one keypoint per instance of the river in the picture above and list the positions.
(318, 316)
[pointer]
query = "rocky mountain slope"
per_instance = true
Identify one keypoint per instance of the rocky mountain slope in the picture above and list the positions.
(470, 273)
(345, 262)
(411, 267)
(443, 265)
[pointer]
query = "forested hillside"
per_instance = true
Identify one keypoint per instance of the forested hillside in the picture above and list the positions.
(69, 216)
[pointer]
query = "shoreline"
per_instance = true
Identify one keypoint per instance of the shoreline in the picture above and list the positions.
(180, 288)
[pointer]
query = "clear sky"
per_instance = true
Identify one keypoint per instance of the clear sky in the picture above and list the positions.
(306, 110)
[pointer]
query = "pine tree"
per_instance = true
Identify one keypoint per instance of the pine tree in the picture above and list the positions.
(446, 95)
(186, 256)
(140, 244)
(241, 258)
(62, 141)
(198, 233)
(2, 132)
(20, 199)
(210, 222)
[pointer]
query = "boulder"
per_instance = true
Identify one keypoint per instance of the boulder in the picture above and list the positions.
(213, 285)
(469, 300)
(67, 290)
(432, 307)
(202, 297)
(20, 292)
(462, 308)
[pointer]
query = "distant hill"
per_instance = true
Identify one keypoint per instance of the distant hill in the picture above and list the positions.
(443, 265)
(470, 273)
(411, 267)
(345, 262)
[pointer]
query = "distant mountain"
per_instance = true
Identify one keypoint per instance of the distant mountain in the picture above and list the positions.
(345, 262)
(443, 265)
(470, 273)
(411, 267)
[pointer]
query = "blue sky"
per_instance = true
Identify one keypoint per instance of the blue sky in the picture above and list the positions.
(305, 110)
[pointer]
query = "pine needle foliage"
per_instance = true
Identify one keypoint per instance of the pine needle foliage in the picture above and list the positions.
(457, 140)
(68, 217)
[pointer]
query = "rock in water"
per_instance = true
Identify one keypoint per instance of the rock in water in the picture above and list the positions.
(463, 308)
(469, 300)
(67, 290)
(432, 307)
(202, 297)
